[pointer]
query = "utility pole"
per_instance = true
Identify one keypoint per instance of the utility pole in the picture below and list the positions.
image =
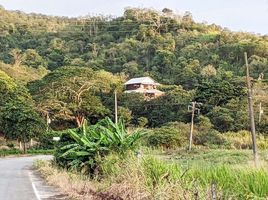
(251, 113)
(193, 107)
(115, 107)
(48, 121)
(260, 112)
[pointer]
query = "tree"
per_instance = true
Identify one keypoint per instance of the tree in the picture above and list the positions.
(209, 71)
(17, 57)
(217, 92)
(18, 120)
(131, 68)
(32, 59)
(222, 119)
(167, 11)
(171, 48)
(125, 114)
(170, 107)
(71, 93)
(164, 60)
(77, 62)
(231, 117)
(7, 87)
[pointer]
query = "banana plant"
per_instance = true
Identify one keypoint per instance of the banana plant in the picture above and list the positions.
(89, 142)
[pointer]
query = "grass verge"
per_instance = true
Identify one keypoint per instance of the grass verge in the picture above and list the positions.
(17, 152)
(151, 177)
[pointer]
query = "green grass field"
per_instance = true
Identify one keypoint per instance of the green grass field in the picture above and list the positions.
(212, 157)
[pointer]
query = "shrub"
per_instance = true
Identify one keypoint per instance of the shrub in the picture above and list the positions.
(4, 148)
(11, 145)
(242, 140)
(110, 165)
(142, 121)
(169, 136)
(211, 139)
(6, 152)
(46, 140)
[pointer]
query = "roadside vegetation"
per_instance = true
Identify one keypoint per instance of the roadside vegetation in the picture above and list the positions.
(17, 152)
(104, 160)
(81, 149)
(152, 177)
(58, 78)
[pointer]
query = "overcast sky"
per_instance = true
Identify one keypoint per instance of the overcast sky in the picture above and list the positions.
(237, 15)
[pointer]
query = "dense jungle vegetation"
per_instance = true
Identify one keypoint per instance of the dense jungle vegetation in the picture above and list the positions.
(67, 69)
(58, 77)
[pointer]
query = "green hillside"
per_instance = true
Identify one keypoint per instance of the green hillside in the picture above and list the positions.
(193, 61)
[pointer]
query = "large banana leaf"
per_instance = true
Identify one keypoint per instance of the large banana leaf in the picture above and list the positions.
(90, 142)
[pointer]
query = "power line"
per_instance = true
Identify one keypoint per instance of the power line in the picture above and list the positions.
(62, 28)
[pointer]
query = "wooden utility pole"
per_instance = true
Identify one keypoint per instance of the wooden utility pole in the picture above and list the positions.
(115, 107)
(260, 112)
(251, 113)
(192, 126)
(193, 107)
(48, 121)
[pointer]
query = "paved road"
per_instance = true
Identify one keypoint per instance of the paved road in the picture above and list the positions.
(19, 182)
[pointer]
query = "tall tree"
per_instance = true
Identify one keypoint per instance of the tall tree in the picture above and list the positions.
(71, 93)
(18, 118)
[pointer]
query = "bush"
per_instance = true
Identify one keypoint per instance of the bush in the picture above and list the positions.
(110, 165)
(242, 140)
(4, 148)
(211, 139)
(173, 135)
(46, 140)
(6, 152)
(142, 121)
(11, 145)
(2, 141)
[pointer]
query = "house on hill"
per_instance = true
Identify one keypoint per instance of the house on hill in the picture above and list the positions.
(143, 85)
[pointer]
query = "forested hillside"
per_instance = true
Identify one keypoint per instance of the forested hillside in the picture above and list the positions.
(192, 61)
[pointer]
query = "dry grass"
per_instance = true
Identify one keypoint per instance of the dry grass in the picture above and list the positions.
(79, 186)
(150, 178)
(128, 181)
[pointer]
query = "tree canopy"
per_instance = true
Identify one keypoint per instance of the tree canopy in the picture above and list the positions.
(72, 66)
(18, 118)
(70, 93)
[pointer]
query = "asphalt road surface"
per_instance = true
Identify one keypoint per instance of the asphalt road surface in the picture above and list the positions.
(19, 182)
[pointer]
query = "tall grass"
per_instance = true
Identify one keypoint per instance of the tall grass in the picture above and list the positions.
(168, 180)
(241, 183)
(150, 178)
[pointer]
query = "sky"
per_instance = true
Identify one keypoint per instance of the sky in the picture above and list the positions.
(236, 15)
